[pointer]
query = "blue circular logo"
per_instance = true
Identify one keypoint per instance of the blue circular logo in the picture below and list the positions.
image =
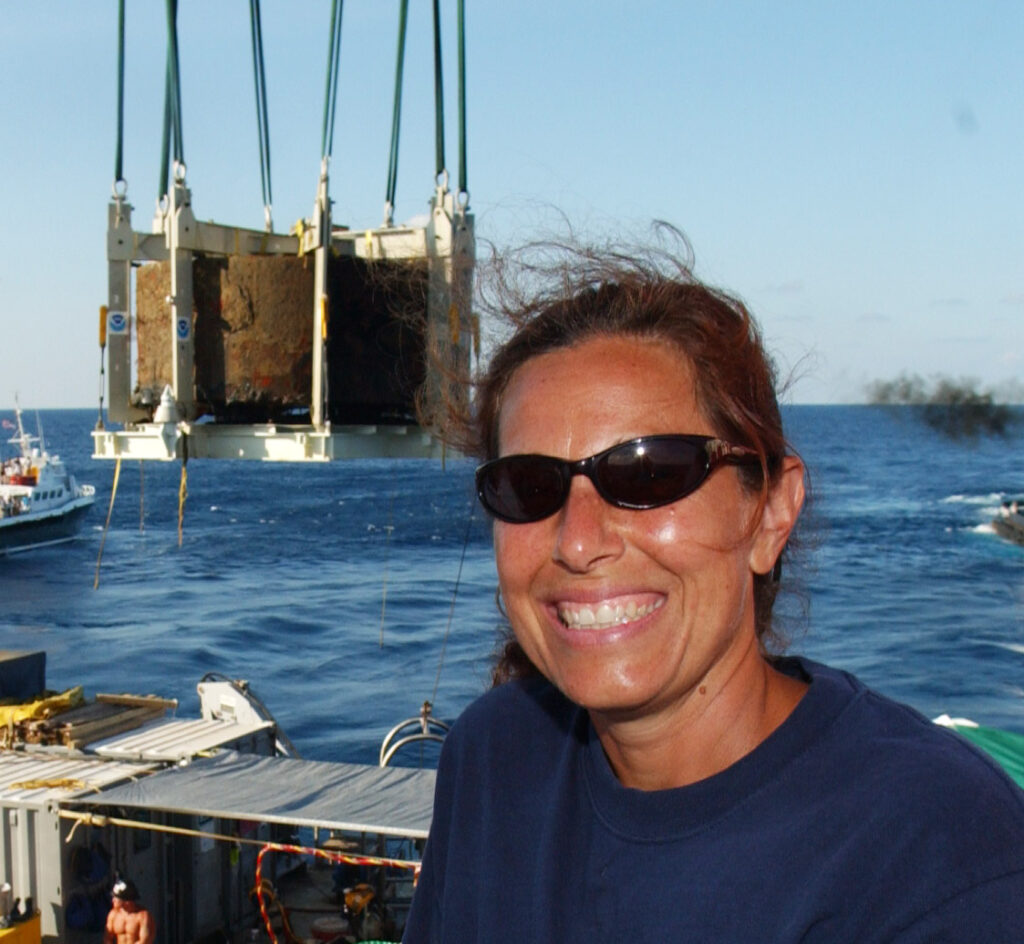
(183, 328)
(118, 323)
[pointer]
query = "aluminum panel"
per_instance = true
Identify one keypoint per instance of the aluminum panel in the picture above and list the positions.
(173, 740)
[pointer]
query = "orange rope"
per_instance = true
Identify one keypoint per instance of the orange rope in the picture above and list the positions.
(339, 857)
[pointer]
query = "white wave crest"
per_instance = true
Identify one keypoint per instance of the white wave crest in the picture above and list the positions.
(988, 499)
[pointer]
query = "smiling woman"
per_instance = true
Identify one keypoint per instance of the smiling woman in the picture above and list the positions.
(685, 567)
(647, 763)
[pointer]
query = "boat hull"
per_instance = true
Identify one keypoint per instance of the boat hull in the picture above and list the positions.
(1009, 529)
(1009, 523)
(25, 532)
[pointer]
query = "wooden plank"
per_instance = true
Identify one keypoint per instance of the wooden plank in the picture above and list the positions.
(80, 735)
(124, 717)
(138, 700)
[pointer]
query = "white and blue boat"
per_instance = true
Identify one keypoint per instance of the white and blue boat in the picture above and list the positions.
(40, 501)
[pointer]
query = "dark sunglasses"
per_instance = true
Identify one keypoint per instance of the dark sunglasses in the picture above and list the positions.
(639, 474)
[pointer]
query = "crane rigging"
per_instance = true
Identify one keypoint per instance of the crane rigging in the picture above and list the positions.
(242, 350)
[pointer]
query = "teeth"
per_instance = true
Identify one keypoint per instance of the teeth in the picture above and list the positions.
(606, 614)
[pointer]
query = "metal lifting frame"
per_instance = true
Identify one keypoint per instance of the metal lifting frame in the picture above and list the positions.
(446, 242)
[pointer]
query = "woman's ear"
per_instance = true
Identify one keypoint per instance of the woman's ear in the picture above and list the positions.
(778, 518)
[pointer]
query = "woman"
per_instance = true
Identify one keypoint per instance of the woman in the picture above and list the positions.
(647, 770)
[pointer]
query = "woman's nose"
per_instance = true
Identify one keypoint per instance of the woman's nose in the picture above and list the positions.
(586, 534)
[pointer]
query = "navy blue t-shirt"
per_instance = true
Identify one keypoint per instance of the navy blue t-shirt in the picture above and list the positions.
(857, 820)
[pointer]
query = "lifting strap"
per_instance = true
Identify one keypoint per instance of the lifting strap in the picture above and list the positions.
(438, 95)
(172, 103)
(463, 186)
(262, 124)
(119, 152)
(396, 115)
(331, 93)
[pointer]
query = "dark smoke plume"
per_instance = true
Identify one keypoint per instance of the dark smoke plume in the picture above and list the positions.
(955, 408)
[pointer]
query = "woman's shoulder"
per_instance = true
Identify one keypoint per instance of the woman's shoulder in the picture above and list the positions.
(522, 703)
(879, 746)
(516, 732)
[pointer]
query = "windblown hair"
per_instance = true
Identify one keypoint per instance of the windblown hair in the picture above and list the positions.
(556, 296)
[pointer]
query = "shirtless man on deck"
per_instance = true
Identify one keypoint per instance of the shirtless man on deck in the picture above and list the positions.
(128, 922)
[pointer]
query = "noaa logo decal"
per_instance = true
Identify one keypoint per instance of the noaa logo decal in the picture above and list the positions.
(117, 323)
(183, 328)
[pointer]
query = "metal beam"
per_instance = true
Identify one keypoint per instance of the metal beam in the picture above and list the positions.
(180, 230)
(322, 243)
(120, 241)
(266, 442)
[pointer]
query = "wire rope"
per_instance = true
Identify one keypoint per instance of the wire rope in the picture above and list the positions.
(389, 528)
(106, 527)
(451, 608)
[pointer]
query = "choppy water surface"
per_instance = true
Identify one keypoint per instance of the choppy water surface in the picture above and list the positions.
(331, 587)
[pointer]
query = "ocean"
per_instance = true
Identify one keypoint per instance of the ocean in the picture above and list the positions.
(349, 593)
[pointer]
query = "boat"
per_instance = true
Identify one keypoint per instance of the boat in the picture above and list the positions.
(1009, 522)
(40, 501)
(227, 834)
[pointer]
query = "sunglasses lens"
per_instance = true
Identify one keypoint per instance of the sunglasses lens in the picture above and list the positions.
(522, 488)
(644, 473)
(653, 472)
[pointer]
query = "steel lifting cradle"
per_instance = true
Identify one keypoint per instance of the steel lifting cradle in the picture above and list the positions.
(335, 359)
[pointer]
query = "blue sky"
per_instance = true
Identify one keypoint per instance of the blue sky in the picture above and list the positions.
(851, 170)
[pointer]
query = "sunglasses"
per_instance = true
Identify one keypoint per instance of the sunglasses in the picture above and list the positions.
(643, 473)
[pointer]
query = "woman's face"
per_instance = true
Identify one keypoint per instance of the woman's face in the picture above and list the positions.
(626, 611)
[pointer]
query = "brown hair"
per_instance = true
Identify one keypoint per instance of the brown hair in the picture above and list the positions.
(556, 296)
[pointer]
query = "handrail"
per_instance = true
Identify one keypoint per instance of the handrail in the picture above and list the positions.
(428, 727)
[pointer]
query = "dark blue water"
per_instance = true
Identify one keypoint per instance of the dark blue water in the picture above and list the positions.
(330, 587)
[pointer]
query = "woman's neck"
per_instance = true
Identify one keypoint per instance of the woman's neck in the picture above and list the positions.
(720, 721)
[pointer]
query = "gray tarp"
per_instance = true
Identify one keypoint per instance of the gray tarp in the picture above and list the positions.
(396, 801)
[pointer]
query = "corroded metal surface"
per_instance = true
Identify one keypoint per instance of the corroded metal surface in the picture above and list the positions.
(253, 322)
(252, 318)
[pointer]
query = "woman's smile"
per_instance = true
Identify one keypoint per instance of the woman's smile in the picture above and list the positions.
(607, 613)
